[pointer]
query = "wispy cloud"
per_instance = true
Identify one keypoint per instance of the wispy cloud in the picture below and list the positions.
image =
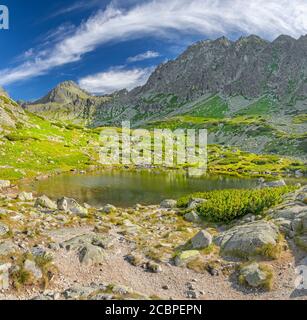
(144, 56)
(115, 79)
(76, 6)
(160, 18)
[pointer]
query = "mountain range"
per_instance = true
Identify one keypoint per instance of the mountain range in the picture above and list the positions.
(251, 93)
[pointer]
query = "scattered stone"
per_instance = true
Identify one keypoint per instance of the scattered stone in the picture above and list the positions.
(168, 204)
(5, 184)
(185, 257)
(45, 202)
(4, 276)
(254, 275)
(245, 240)
(192, 294)
(195, 202)
(7, 248)
(201, 240)
(72, 206)
(153, 267)
(91, 255)
(25, 196)
(31, 267)
(4, 229)
(192, 216)
(108, 209)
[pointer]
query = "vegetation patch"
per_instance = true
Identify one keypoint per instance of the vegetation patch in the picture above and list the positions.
(227, 205)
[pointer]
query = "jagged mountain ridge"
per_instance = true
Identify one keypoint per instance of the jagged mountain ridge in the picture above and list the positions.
(215, 79)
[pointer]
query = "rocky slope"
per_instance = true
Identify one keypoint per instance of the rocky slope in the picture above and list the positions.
(67, 102)
(64, 250)
(10, 112)
(264, 82)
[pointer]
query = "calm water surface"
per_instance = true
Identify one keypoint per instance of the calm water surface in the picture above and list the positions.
(126, 188)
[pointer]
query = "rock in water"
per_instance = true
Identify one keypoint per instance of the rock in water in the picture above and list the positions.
(278, 183)
(71, 205)
(201, 240)
(46, 203)
(246, 240)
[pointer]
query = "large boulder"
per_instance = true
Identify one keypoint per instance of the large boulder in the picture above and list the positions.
(201, 240)
(246, 240)
(72, 206)
(89, 247)
(46, 203)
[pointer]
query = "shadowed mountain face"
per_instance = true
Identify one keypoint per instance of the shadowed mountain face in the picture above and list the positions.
(217, 84)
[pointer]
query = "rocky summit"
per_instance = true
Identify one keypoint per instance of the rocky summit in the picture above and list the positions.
(249, 90)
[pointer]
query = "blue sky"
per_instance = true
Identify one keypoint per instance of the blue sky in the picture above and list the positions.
(108, 45)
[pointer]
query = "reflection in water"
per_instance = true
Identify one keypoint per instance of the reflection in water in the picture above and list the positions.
(125, 188)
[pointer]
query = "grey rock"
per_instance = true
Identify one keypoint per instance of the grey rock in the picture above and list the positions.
(4, 276)
(108, 209)
(5, 184)
(25, 196)
(253, 275)
(4, 229)
(46, 203)
(192, 216)
(153, 267)
(91, 255)
(72, 206)
(7, 247)
(278, 183)
(168, 204)
(31, 267)
(195, 202)
(201, 240)
(245, 240)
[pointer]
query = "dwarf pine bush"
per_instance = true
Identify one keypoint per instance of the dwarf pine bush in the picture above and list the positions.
(227, 205)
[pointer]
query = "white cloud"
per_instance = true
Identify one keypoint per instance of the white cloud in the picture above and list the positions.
(160, 18)
(115, 79)
(144, 56)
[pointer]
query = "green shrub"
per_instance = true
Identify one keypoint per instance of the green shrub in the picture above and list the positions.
(227, 205)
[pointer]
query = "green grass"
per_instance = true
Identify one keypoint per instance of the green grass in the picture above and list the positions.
(214, 107)
(261, 107)
(227, 205)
